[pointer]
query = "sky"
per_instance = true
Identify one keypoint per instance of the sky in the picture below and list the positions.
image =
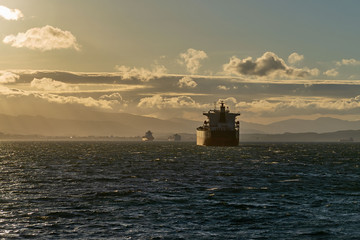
(269, 60)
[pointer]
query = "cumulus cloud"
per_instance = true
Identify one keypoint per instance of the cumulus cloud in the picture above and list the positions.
(8, 77)
(10, 14)
(142, 74)
(44, 39)
(229, 102)
(48, 84)
(331, 72)
(268, 65)
(114, 98)
(191, 58)
(160, 102)
(295, 57)
(351, 62)
(187, 82)
(223, 87)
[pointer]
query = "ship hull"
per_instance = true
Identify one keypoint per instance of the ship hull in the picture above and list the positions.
(206, 137)
(146, 139)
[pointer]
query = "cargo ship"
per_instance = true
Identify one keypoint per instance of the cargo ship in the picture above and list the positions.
(220, 128)
(148, 137)
(174, 138)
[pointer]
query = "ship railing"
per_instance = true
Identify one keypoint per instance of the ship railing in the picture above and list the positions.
(203, 128)
(222, 129)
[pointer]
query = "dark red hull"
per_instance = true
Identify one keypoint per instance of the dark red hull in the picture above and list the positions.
(205, 137)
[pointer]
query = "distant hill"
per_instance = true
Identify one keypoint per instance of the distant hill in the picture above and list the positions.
(320, 125)
(103, 124)
(338, 136)
(129, 125)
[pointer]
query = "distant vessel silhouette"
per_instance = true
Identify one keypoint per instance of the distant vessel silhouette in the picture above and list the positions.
(220, 129)
(176, 137)
(346, 140)
(148, 136)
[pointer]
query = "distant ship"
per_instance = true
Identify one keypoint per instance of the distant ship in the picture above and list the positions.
(175, 138)
(148, 136)
(220, 129)
(346, 140)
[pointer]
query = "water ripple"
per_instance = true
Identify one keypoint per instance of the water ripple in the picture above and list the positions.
(110, 190)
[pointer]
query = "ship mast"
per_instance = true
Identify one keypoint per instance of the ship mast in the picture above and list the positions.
(222, 113)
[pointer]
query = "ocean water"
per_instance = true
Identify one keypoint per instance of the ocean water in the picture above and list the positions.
(161, 190)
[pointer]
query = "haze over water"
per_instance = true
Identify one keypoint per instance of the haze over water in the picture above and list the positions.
(161, 190)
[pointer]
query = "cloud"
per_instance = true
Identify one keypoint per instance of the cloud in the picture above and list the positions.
(10, 14)
(45, 91)
(295, 57)
(269, 65)
(191, 58)
(48, 84)
(229, 102)
(114, 98)
(55, 105)
(159, 102)
(331, 72)
(187, 82)
(8, 77)
(85, 101)
(351, 62)
(223, 87)
(44, 39)
(5, 90)
(142, 74)
(299, 106)
(33, 99)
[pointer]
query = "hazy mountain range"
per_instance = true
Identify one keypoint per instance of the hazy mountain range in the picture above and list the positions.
(103, 124)
(128, 125)
(320, 125)
(338, 136)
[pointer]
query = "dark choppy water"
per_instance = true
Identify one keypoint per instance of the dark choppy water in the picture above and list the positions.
(105, 190)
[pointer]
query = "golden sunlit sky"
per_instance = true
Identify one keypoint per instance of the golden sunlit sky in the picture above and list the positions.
(269, 60)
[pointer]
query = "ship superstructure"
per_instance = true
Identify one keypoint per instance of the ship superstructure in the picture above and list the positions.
(220, 128)
(174, 138)
(148, 136)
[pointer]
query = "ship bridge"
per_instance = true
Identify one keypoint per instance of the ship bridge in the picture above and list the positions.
(222, 118)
